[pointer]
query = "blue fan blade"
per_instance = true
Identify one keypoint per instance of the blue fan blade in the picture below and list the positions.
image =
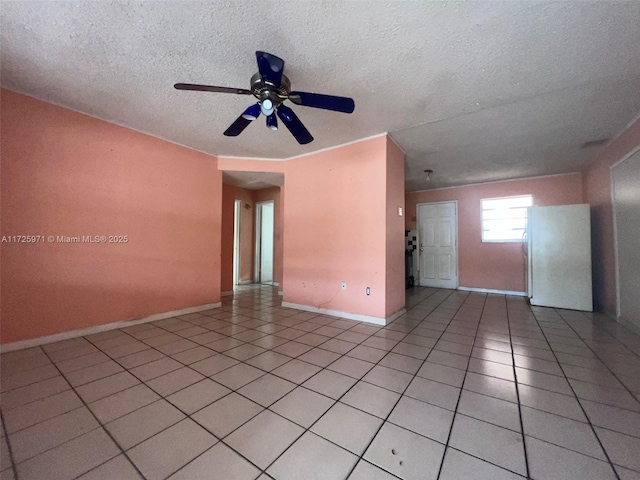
(270, 68)
(295, 126)
(328, 102)
(237, 127)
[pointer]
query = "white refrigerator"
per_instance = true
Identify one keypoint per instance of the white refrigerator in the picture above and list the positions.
(558, 257)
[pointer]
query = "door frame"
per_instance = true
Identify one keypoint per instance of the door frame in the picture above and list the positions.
(237, 221)
(257, 274)
(418, 205)
(615, 226)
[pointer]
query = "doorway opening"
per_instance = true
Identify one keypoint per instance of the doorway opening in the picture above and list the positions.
(237, 212)
(264, 242)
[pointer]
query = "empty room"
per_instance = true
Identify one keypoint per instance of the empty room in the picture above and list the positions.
(320, 240)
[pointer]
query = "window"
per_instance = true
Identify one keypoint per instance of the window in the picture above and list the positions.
(505, 219)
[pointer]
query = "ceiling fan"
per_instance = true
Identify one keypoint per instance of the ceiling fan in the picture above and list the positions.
(271, 87)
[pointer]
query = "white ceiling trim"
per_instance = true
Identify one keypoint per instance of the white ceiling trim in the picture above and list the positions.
(397, 144)
(258, 159)
(378, 135)
(627, 127)
(495, 181)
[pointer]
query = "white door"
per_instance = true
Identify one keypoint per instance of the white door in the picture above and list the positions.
(264, 237)
(438, 244)
(625, 178)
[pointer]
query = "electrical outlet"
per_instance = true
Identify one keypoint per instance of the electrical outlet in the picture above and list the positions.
(367, 291)
(344, 285)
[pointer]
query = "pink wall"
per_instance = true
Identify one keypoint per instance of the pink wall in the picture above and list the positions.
(230, 194)
(335, 226)
(334, 229)
(597, 192)
(395, 286)
(64, 173)
(497, 266)
(275, 194)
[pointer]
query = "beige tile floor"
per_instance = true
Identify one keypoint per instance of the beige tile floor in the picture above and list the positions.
(464, 385)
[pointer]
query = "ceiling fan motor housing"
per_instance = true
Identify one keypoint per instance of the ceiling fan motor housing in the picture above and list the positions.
(262, 89)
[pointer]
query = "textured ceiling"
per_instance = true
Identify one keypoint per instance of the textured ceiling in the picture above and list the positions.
(253, 180)
(476, 91)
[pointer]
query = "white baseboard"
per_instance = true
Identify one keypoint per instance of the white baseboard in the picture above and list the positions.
(349, 316)
(226, 294)
(34, 342)
(245, 282)
(489, 290)
(395, 315)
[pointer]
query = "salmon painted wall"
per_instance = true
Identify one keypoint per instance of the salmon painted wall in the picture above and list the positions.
(275, 194)
(496, 266)
(334, 229)
(597, 192)
(335, 226)
(230, 194)
(68, 174)
(395, 284)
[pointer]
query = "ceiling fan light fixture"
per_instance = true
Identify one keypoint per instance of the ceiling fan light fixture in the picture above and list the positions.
(428, 174)
(252, 112)
(272, 121)
(267, 107)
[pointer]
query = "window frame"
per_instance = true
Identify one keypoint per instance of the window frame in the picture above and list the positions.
(482, 219)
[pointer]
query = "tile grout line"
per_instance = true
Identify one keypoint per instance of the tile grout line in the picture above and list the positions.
(218, 352)
(359, 457)
(187, 416)
(232, 391)
(271, 372)
(600, 359)
(615, 472)
(100, 425)
(227, 368)
(633, 352)
(249, 318)
(464, 378)
(335, 401)
(402, 394)
(515, 378)
(14, 466)
(141, 382)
